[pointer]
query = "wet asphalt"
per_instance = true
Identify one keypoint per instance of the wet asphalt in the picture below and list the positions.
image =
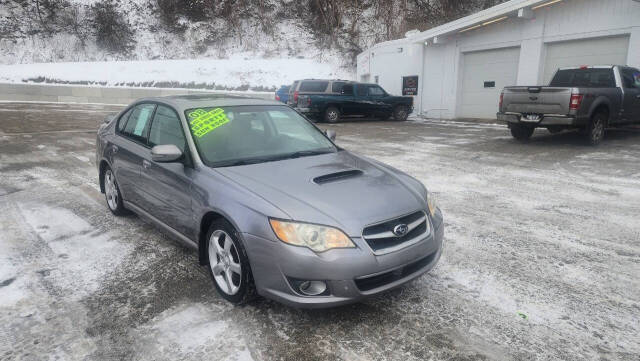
(541, 260)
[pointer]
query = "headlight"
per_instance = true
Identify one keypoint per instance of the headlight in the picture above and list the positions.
(315, 237)
(432, 204)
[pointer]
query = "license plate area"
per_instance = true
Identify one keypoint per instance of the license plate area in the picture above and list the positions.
(531, 118)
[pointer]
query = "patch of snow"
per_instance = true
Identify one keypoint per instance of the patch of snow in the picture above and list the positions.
(192, 329)
(235, 72)
(83, 255)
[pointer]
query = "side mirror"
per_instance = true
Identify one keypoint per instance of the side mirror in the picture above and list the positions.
(109, 118)
(166, 153)
(331, 134)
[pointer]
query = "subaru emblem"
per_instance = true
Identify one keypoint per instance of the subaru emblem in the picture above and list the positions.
(400, 230)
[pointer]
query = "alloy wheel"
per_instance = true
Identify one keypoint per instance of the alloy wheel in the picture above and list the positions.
(111, 190)
(597, 132)
(332, 115)
(224, 261)
(401, 113)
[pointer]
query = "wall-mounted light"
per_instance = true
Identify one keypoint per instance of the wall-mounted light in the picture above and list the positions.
(484, 24)
(494, 21)
(471, 28)
(545, 4)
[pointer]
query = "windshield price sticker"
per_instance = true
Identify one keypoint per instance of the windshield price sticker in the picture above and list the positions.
(202, 122)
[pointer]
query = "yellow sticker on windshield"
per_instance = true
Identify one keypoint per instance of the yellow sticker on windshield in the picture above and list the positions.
(203, 122)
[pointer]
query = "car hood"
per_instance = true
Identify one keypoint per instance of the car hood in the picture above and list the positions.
(338, 189)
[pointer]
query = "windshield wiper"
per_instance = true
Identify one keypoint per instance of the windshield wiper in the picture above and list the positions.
(304, 153)
(234, 163)
(298, 154)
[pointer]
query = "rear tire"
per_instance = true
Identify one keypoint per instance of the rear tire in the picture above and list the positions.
(596, 128)
(332, 115)
(521, 132)
(400, 113)
(228, 264)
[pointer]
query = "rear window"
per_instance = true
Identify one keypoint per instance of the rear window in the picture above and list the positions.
(586, 78)
(313, 86)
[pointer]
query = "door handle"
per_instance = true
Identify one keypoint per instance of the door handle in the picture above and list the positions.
(146, 164)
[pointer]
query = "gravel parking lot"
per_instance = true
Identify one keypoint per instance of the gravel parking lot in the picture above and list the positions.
(541, 261)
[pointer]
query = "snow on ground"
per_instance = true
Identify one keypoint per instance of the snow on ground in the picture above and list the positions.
(236, 72)
(540, 260)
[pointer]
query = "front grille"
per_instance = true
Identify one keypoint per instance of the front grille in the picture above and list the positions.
(370, 283)
(381, 239)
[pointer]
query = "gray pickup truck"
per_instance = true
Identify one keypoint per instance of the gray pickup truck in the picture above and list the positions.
(589, 99)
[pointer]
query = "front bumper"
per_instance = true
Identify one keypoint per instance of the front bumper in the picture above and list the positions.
(543, 121)
(350, 274)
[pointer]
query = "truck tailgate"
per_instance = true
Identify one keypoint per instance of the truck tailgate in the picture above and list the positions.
(536, 100)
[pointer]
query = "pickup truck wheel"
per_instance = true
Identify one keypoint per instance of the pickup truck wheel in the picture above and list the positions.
(595, 129)
(332, 115)
(400, 113)
(521, 132)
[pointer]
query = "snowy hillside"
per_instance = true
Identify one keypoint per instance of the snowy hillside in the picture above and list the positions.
(244, 56)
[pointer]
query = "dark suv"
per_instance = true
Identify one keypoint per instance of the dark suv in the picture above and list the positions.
(330, 99)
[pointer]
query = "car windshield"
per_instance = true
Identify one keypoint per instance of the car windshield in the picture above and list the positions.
(238, 135)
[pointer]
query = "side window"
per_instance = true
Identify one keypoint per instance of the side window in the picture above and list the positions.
(631, 78)
(376, 91)
(138, 123)
(347, 89)
(361, 90)
(123, 120)
(336, 87)
(166, 128)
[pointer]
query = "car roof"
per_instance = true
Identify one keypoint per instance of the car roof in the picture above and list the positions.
(588, 67)
(349, 81)
(190, 101)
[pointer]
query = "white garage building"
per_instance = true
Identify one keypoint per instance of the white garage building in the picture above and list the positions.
(462, 66)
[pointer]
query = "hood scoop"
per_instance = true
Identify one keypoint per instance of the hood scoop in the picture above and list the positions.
(332, 177)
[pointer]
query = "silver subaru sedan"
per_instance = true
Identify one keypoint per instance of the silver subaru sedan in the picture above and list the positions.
(272, 206)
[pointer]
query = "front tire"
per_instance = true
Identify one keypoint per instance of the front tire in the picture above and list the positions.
(228, 264)
(112, 193)
(596, 128)
(521, 132)
(400, 113)
(332, 115)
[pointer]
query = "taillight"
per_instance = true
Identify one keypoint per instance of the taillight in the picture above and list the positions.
(501, 99)
(576, 100)
(295, 96)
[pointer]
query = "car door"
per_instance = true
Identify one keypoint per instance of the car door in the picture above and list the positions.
(127, 149)
(631, 101)
(166, 187)
(346, 99)
(377, 98)
(360, 100)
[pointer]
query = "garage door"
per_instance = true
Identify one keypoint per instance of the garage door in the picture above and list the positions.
(599, 51)
(484, 75)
